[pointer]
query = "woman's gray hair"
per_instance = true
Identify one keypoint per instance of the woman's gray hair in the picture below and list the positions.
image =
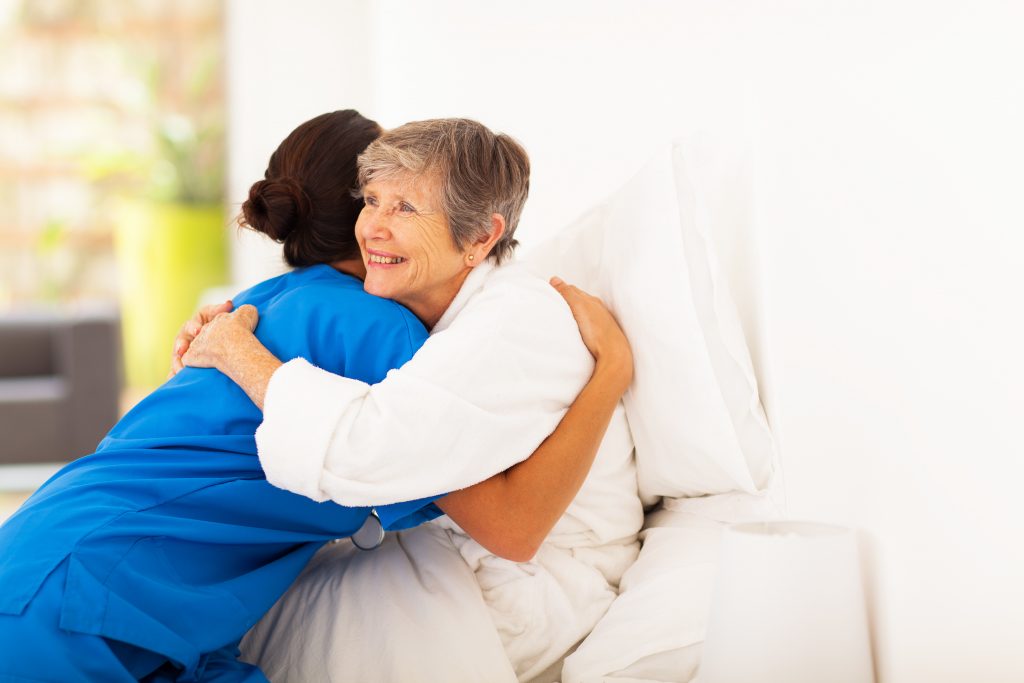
(480, 174)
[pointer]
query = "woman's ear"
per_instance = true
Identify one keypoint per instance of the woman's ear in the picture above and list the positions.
(481, 249)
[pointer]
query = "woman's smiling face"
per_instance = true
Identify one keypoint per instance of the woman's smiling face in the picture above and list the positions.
(407, 247)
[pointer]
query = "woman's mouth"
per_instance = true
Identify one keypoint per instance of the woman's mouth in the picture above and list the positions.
(384, 260)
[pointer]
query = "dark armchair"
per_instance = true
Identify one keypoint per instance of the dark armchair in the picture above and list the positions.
(60, 381)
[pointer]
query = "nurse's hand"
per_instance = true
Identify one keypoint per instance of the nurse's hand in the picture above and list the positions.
(190, 329)
(601, 333)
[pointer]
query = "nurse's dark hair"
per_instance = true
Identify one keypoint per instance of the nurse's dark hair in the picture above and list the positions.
(306, 200)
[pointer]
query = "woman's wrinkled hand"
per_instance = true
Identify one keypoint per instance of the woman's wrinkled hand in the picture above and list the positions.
(226, 332)
(190, 329)
(600, 332)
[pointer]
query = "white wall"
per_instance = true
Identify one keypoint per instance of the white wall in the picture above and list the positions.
(887, 167)
(891, 221)
(287, 62)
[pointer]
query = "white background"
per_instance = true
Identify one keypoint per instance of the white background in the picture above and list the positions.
(888, 165)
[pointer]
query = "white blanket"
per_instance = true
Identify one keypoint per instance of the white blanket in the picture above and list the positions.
(432, 605)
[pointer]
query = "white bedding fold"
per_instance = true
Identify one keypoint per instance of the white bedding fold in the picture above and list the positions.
(411, 610)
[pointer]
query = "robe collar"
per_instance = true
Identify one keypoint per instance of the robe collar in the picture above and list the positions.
(474, 283)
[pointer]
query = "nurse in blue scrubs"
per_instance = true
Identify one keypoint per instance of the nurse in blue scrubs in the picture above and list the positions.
(150, 558)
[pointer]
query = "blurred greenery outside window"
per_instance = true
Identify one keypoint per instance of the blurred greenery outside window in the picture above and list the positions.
(112, 149)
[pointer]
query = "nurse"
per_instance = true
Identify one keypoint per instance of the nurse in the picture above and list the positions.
(158, 551)
(150, 558)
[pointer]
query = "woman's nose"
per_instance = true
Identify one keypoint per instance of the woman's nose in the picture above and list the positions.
(377, 226)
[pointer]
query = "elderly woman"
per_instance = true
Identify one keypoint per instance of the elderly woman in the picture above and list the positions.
(501, 367)
(150, 558)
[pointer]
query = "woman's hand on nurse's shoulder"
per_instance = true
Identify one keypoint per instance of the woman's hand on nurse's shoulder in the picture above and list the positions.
(211, 346)
(600, 332)
(191, 328)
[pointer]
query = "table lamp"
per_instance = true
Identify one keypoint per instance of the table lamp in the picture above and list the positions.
(788, 607)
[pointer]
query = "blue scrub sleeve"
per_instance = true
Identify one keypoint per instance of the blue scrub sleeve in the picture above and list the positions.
(398, 516)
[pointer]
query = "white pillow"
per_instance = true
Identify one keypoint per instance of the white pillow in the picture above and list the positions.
(693, 408)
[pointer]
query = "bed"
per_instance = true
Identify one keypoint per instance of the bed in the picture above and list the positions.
(620, 590)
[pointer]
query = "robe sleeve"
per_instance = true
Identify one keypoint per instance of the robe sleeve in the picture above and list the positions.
(476, 399)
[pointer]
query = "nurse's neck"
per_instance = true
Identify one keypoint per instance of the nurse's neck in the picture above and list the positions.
(352, 266)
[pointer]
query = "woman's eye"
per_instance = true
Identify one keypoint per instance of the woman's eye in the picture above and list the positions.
(405, 207)
(370, 201)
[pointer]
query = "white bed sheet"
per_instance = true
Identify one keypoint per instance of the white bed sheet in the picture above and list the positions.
(654, 629)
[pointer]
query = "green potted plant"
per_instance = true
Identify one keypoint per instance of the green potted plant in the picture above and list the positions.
(171, 243)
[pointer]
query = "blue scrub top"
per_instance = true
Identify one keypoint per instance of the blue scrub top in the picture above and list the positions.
(175, 541)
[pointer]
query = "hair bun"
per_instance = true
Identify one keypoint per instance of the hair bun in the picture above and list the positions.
(276, 207)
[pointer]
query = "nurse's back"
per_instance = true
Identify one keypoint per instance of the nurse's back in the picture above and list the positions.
(197, 431)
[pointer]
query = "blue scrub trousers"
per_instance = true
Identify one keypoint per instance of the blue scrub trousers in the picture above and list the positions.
(36, 638)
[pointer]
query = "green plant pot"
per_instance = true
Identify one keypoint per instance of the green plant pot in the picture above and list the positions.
(167, 254)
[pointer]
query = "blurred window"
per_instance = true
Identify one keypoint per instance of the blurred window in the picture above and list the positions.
(100, 100)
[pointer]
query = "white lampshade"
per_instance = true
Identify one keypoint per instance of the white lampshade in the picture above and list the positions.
(788, 607)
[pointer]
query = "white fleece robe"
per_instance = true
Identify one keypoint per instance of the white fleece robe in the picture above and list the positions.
(497, 374)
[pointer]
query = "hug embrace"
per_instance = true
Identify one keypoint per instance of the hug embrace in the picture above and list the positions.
(405, 371)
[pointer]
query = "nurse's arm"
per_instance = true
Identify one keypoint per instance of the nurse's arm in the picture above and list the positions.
(512, 513)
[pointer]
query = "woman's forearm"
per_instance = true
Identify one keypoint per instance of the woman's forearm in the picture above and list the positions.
(512, 513)
(251, 368)
(228, 342)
